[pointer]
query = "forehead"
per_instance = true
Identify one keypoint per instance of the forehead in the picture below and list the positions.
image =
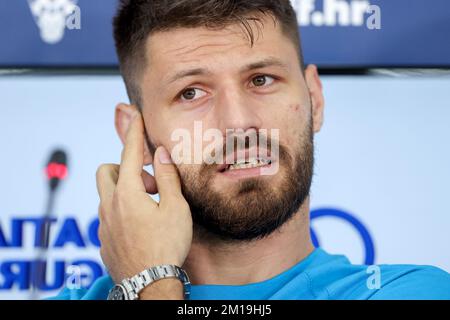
(225, 48)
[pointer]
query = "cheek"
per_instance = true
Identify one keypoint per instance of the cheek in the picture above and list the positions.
(294, 108)
(292, 123)
(176, 137)
(192, 178)
(188, 173)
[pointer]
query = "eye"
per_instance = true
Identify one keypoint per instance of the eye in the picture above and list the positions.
(191, 94)
(262, 80)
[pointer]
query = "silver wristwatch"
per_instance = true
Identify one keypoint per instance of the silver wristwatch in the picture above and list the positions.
(129, 289)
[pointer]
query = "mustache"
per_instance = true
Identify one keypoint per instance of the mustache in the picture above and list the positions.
(247, 143)
(237, 144)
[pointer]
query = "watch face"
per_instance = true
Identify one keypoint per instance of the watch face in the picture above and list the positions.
(117, 293)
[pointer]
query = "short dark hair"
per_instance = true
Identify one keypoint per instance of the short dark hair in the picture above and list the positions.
(137, 19)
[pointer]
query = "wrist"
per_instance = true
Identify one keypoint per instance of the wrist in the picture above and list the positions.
(155, 282)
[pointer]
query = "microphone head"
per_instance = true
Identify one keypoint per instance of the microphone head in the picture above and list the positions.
(58, 156)
(56, 169)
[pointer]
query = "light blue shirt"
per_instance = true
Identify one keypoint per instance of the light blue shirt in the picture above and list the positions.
(319, 276)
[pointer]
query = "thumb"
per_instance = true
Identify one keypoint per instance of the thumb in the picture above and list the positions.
(166, 175)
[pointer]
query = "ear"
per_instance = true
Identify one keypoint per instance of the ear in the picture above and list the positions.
(316, 92)
(122, 120)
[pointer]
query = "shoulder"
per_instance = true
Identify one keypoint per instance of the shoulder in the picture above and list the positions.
(336, 278)
(413, 282)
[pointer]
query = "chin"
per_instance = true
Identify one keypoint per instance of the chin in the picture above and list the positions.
(238, 185)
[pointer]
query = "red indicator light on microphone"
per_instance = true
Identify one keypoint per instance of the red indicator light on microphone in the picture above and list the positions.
(56, 171)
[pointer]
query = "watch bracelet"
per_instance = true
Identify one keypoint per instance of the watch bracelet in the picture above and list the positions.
(137, 283)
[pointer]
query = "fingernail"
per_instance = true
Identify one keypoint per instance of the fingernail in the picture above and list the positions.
(164, 156)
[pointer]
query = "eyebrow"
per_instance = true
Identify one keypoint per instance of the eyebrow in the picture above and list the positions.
(267, 62)
(188, 73)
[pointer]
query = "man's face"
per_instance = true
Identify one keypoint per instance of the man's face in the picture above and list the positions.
(215, 78)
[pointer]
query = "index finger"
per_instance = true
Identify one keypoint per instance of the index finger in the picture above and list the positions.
(132, 161)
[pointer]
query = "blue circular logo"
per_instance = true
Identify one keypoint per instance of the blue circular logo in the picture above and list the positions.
(355, 222)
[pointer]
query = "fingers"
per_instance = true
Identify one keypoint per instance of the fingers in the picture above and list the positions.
(149, 183)
(167, 178)
(133, 155)
(107, 176)
(132, 176)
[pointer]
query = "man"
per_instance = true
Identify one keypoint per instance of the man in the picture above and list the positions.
(237, 229)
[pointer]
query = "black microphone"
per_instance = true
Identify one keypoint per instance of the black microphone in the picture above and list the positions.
(56, 170)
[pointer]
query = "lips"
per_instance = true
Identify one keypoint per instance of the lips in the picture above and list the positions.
(246, 161)
(248, 164)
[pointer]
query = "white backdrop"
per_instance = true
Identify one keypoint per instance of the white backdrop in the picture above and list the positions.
(383, 156)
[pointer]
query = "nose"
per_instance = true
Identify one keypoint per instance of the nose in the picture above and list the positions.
(235, 111)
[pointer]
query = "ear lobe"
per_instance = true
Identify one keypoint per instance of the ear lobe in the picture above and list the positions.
(122, 121)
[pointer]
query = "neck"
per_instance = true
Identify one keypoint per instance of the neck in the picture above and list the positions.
(218, 262)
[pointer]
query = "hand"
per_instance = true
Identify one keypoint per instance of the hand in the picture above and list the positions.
(135, 231)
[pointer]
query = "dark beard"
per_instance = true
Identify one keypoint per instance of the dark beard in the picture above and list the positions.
(257, 209)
